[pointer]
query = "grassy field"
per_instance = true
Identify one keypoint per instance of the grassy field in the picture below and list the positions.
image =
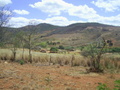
(39, 57)
(109, 60)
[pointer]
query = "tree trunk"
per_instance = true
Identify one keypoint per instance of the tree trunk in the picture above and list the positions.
(30, 55)
(23, 54)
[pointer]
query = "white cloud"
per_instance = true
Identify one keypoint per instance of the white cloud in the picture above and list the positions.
(56, 7)
(53, 7)
(5, 2)
(112, 20)
(18, 22)
(83, 12)
(21, 12)
(108, 5)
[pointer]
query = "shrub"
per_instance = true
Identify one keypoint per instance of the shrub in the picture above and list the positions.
(104, 86)
(53, 49)
(95, 54)
(115, 49)
(2, 44)
(43, 44)
(61, 47)
(69, 48)
(21, 62)
(117, 85)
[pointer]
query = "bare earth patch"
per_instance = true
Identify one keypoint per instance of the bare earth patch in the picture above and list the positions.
(14, 76)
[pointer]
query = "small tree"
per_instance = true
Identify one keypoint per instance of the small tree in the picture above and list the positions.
(21, 37)
(30, 38)
(94, 51)
(15, 42)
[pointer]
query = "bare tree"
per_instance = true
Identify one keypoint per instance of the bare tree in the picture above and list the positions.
(15, 43)
(30, 38)
(5, 15)
(21, 37)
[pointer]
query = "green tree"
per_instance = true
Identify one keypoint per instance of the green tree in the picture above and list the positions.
(94, 52)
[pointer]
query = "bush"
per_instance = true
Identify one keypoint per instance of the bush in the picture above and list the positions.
(115, 49)
(104, 86)
(61, 47)
(21, 62)
(53, 49)
(2, 44)
(43, 44)
(69, 48)
(95, 54)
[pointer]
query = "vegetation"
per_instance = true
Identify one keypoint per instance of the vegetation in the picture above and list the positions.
(43, 44)
(104, 86)
(114, 50)
(21, 62)
(15, 44)
(53, 49)
(94, 51)
(61, 47)
(69, 48)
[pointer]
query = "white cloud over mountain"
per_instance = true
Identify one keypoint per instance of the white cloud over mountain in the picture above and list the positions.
(62, 21)
(21, 21)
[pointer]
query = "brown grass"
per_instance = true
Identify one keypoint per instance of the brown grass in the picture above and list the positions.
(109, 61)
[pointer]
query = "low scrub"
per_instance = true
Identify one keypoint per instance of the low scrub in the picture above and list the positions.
(102, 86)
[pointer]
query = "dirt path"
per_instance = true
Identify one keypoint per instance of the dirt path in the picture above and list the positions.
(31, 77)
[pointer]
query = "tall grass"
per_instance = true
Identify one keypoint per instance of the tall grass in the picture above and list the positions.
(38, 57)
(108, 60)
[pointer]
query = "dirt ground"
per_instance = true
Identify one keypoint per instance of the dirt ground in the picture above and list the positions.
(14, 76)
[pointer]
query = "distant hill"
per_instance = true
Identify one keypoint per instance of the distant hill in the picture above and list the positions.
(75, 34)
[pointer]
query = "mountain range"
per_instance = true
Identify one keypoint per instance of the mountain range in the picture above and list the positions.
(76, 34)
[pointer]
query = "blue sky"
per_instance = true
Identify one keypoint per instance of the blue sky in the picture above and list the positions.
(63, 12)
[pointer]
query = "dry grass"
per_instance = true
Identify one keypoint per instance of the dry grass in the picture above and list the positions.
(38, 57)
(109, 61)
